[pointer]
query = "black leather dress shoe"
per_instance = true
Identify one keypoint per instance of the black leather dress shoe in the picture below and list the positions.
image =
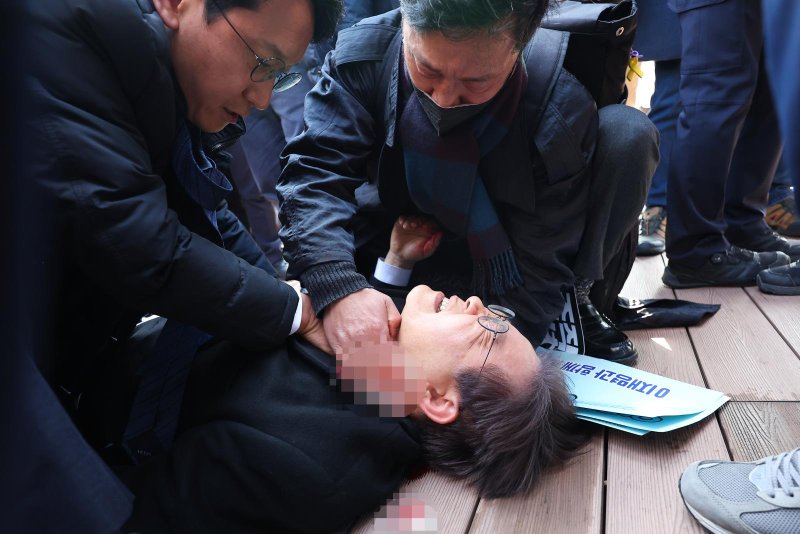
(604, 340)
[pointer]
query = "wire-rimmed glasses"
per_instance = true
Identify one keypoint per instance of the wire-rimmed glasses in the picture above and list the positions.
(498, 323)
(271, 68)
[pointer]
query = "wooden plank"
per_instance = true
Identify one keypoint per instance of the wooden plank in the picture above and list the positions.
(643, 472)
(567, 500)
(759, 429)
(452, 501)
(783, 312)
(664, 351)
(642, 477)
(740, 352)
(644, 282)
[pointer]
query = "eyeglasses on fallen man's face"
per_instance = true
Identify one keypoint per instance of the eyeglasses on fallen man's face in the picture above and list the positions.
(497, 323)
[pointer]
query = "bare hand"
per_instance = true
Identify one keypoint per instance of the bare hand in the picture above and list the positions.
(414, 238)
(364, 315)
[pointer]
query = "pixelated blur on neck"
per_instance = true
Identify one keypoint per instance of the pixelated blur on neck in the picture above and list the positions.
(379, 373)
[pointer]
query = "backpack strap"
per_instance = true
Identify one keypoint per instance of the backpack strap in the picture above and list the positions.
(543, 56)
(367, 40)
(376, 39)
(552, 118)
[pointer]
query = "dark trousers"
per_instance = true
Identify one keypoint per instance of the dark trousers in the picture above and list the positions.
(256, 166)
(781, 23)
(624, 162)
(664, 109)
(727, 143)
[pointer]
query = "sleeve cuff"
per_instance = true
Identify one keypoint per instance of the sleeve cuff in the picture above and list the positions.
(392, 275)
(298, 313)
(329, 282)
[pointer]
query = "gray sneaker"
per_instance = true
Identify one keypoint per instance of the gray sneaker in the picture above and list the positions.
(760, 497)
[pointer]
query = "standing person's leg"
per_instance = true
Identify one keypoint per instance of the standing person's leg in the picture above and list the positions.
(255, 156)
(268, 132)
(781, 183)
(781, 21)
(754, 163)
(664, 109)
(665, 106)
(738, 514)
(781, 213)
(721, 44)
(782, 41)
(288, 105)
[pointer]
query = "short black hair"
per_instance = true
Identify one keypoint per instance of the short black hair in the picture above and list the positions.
(326, 14)
(463, 19)
(502, 440)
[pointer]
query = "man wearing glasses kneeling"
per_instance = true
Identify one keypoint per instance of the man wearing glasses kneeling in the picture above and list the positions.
(134, 101)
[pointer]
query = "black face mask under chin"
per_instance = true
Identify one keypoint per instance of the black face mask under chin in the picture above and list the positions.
(445, 119)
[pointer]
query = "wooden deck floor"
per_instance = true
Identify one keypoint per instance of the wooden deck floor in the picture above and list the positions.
(627, 484)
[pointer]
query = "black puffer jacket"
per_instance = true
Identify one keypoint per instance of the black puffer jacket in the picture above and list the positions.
(130, 239)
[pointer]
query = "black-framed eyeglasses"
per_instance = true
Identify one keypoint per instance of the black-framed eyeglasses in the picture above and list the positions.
(271, 68)
(496, 324)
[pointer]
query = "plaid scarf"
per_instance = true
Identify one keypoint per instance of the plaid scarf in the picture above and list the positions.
(444, 181)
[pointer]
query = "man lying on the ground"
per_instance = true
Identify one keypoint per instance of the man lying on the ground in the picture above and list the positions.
(126, 93)
(267, 443)
(297, 440)
(430, 110)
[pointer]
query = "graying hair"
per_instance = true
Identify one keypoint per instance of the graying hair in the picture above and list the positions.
(463, 19)
(503, 439)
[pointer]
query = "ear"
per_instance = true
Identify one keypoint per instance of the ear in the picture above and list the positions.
(168, 11)
(441, 408)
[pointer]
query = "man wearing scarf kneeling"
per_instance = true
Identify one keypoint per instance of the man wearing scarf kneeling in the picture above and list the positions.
(438, 108)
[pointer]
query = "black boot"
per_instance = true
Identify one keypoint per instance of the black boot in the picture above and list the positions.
(604, 340)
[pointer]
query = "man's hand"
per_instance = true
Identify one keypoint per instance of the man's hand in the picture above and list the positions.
(364, 315)
(414, 238)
